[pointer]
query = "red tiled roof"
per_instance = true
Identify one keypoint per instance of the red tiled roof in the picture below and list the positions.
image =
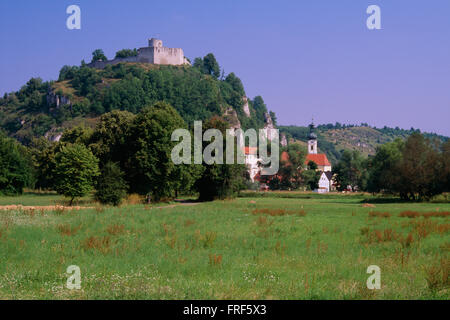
(320, 159)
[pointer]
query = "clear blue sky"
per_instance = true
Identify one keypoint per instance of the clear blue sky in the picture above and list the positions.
(305, 57)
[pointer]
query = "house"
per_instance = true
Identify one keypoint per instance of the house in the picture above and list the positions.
(325, 182)
(251, 160)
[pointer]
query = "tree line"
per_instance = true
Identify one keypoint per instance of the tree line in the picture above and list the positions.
(125, 153)
(417, 168)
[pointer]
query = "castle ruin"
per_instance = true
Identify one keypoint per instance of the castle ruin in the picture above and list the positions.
(155, 53)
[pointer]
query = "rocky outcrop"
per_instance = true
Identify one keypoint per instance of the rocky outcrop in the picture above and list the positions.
(231, 117)
(268, 127)
(246, 107)
(56, 100)
(268, 121)
(283, 140)
(53, 135)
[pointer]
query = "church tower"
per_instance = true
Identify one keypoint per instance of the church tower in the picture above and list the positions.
(312, 140)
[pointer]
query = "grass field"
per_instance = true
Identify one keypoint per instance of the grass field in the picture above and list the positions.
(281, 246)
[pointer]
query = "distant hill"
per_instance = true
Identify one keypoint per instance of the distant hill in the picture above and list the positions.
(332, 139)
(82, 94)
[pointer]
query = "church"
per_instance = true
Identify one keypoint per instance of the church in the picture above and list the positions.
(321, 160)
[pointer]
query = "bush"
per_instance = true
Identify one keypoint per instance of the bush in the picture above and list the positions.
(124, 53)
(111, 187)
(75, 170)
(15, 167)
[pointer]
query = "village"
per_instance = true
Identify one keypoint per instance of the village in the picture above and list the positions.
(323, 166)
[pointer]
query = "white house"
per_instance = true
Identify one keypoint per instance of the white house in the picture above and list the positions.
(325, 182)
(251, 160)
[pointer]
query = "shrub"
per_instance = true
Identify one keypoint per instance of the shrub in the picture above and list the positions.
(75, 171)
(111, 187)
(15, 167)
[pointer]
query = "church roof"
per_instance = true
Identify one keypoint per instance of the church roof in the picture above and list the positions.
(320, 159)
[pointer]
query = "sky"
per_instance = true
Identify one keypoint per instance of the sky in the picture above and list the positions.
(307, 59)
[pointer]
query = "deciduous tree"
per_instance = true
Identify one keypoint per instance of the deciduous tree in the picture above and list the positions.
(75, 171)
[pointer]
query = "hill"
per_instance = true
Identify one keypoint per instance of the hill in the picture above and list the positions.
(332, 139)
(82, 94)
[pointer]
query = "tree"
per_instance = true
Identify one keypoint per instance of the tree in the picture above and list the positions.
(311, 178)
(382, 168)
(208, 65)
(445, 160)
(98, 55)
(220, 181)
(211, 65)
(43, 154)
(292, 167)
(80, 135)
(124, 53)
(419, 169)
(67, 72)
(151, 169)
(111, 186)
(35, 101)
(350, 171)
(415, 169)
(312, 165)
(198, 63)
(260, 109)
(109, 141)
(75, 171)
(236, 84)
(16, 170)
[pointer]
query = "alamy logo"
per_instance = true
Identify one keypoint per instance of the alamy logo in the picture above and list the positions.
(374, 281)
(213, 153)
(74, 280)
(74, 20)
(374, 20)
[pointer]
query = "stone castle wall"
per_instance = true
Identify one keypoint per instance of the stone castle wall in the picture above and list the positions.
(172, 56)
(154, 54)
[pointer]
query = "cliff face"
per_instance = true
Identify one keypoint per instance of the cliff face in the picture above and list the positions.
(231, 117)
(246, 108)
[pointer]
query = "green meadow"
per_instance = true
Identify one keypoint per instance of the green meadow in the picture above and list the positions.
(282, 245)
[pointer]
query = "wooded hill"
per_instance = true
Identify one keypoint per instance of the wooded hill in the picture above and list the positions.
(82, 94)
(333, 138)
(198, 92)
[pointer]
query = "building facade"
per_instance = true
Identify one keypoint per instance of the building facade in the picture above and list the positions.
(155, 53)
